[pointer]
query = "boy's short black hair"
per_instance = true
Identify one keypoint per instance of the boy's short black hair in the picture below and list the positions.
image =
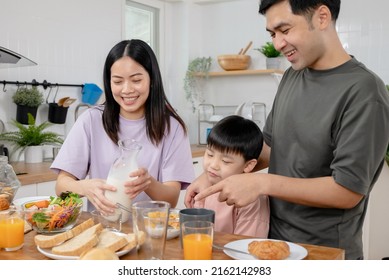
(235, 134)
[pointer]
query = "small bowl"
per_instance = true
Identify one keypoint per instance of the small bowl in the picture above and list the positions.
(173, 229)
(231, 62)
(8, 192)
(155, 228)
(54, 219)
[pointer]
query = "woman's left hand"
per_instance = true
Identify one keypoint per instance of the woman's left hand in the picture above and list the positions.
(140, 184)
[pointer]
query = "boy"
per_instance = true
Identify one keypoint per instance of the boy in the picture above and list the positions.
(233, 147)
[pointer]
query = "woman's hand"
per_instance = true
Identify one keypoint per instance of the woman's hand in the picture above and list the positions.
(140, 184)
(94, 191)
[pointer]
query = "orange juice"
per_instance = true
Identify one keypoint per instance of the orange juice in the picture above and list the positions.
(197, 246)
(11, 233)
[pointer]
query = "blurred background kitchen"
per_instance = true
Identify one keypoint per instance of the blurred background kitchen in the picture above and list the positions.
(69, 40)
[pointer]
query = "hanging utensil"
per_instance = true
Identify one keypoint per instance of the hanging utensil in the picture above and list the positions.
(247, 47)
(62, 101)
(68, 102)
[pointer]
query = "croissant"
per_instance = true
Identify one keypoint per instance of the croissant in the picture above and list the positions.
(269, 250)
(4, 204)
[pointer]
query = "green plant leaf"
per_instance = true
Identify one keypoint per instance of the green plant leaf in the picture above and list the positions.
(269, 50)
(30, 135)
(193, 84)
(30, 97)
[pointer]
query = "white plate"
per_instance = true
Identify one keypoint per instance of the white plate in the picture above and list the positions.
(20, 201)
(47, 252)
(297, 252)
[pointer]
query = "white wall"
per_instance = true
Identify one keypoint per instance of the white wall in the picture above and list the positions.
(69, 41)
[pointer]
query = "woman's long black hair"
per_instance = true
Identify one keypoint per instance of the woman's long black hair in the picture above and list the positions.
(157, 108)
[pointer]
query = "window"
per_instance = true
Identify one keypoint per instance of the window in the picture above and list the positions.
(142, 22)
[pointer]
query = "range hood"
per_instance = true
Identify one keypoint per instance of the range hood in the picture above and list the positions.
(10, 59)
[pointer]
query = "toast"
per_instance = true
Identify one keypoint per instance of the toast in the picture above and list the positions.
(48, 241)
(111, 240)
(132, 241)
(80, 243)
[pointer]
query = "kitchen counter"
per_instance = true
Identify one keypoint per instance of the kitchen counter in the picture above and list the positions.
(32, 173)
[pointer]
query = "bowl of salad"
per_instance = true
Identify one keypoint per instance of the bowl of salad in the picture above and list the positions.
(53, 215)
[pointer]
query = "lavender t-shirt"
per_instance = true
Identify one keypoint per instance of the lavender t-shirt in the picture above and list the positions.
(88, 150)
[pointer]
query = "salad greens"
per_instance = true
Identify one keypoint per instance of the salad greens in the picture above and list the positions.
(65, 199)
(61, 211)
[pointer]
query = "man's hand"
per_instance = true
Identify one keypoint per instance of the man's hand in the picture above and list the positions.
(239, 190)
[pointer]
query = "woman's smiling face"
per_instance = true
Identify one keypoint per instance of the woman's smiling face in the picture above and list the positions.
(130, 85)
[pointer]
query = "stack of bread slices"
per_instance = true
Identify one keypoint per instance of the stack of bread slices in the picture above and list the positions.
(84, 237)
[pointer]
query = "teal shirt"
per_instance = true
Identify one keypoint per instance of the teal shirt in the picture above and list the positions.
(327, 123)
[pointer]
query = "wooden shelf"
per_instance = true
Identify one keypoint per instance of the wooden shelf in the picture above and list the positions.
(242, 73)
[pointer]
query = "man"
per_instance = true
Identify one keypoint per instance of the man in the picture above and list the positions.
(325, 137)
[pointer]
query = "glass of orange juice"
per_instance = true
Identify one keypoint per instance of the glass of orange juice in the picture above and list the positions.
(197, 237)
(11, 230)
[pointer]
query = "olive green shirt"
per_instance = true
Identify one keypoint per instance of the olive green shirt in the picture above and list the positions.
(327, 123)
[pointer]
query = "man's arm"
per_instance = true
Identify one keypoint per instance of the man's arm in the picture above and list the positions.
(242, 189)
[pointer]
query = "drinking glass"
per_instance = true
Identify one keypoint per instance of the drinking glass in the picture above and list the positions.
(112, 221)
(150, 219)
(11, 230)
(195, 214)
(197, 239)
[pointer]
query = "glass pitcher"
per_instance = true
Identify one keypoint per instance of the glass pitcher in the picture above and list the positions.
(9, 182)
(119, 173)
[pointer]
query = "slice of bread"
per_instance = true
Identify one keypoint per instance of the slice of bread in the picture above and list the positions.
(82, 242)
(132, 242)
(48, 241)
(111, 240)
(99, 254)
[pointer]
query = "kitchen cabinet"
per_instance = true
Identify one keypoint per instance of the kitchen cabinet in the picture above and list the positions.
(45, 189)
(38, 189)
(198, 166)
(25, 191)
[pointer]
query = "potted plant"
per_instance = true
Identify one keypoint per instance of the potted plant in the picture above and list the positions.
(27, 101)
(193, 82)
(272, 55)
(31, 138)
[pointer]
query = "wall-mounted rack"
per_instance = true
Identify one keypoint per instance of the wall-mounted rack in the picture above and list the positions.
(45, 84)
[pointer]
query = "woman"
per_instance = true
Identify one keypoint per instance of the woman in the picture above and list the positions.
(136, 108)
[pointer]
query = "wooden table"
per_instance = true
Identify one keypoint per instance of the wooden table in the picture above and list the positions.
(173, 249)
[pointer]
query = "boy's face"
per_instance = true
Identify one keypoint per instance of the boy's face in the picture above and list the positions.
(219, 166)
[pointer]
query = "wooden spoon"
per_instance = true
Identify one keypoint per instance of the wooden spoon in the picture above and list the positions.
(68, 102)
(247, 47)
(62, 101)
